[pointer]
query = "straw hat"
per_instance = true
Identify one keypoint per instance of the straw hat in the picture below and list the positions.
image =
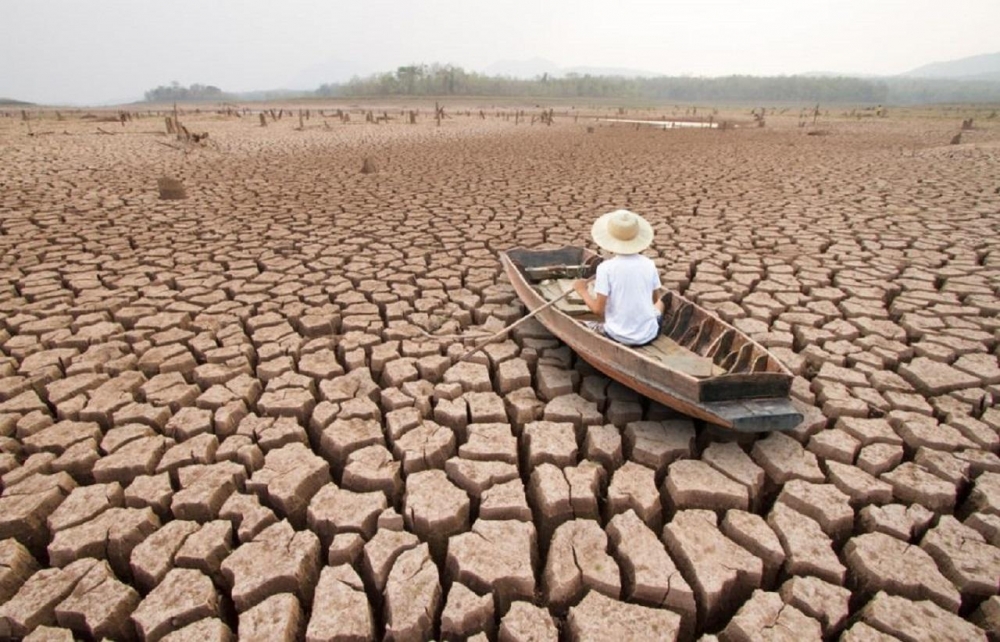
(622, 232)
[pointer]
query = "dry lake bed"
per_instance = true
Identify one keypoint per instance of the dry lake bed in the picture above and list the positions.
(221, 417)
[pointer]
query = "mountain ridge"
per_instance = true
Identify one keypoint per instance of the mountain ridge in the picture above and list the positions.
(979, 67)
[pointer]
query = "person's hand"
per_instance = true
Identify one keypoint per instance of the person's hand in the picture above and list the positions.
(581, 286)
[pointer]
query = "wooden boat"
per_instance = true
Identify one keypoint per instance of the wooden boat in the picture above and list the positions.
(699, 365)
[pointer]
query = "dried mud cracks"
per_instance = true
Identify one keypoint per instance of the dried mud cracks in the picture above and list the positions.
(218, 417)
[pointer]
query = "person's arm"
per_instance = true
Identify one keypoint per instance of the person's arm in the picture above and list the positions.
(658, 290)
(596, 303)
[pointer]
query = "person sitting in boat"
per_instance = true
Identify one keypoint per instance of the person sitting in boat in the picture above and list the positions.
(626, 286)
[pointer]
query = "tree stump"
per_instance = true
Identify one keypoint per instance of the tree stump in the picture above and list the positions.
(171, 189)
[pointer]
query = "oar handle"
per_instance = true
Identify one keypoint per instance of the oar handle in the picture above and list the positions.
(499, 333)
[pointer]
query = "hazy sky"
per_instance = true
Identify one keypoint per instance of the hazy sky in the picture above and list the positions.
(96, 51)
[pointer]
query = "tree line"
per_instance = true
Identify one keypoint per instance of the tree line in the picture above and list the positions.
(451, 80)
(175, 92)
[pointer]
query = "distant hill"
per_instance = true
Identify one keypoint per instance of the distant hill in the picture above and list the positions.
(10, 102)
(982, 67)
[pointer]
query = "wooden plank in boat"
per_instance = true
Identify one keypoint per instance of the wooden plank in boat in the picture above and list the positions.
(543, 272)
(679, 358)
(572, 305)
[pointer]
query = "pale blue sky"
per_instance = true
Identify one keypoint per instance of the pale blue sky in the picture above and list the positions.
(96, 51)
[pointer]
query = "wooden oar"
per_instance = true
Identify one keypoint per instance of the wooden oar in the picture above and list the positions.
(499, 333)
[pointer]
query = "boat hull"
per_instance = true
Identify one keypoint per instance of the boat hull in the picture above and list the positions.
(757, 408)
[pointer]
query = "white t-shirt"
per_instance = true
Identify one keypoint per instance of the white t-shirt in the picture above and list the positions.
(628, 280)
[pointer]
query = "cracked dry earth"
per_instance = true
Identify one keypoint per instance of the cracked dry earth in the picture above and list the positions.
(219, 418)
